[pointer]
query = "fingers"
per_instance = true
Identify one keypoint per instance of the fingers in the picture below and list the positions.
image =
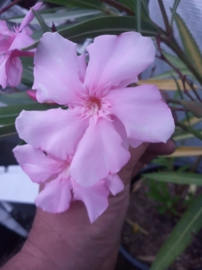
(143, 155)
(162, 148)
(126, 172)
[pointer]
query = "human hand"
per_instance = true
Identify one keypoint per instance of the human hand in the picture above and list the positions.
(69, 241)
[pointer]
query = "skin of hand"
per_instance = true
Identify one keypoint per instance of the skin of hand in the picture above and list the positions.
(67, 241)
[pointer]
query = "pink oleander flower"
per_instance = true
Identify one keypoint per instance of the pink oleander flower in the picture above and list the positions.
(11, 43)
(104, 116)
(60, 188)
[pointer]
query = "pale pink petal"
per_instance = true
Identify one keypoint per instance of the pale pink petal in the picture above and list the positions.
(38, 166)
(30, 16)
(14, 70)
(95, 198)
(3, 74)
(117, 59)
(20, 41)
(82, 66)
(145, 116)
(6, 37)
(56, 71)
(118, 125)
(55, 131)
(55, 197)
(114, 183)
(99, 153)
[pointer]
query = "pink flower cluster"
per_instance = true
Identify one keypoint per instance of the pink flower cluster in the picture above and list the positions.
(78, 149)
(11, 44)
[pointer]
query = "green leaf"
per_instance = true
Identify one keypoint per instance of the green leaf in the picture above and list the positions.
(101, 26)
(7, 120)
(16, 99)
(57, 17)
(175, 5)
(174, 59)
(194, 107)
(187, 178)
(129, 3)
(41, 21)
(168, 74)
(90, 4)
(189, 44)
(16, 109)
(181, 236)
(7, 130)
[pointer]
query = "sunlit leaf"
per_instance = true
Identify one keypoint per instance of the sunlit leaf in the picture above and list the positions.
(189, 44)
(166, 84)
(187, 151)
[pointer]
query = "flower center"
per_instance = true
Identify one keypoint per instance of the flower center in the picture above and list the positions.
(96, 107)
(93, 105)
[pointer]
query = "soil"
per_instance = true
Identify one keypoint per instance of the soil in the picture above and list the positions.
(144, 247)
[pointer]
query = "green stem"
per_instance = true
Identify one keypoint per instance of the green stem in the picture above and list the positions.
(164, 15)
(190, 130)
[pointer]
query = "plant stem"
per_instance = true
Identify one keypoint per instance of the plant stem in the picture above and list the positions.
(9, 6)
(119, 6)
(189, 129)
(164, 15)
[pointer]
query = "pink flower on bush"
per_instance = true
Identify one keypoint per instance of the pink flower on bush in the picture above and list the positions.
(60, 188)
(11, 43)
(104, 116)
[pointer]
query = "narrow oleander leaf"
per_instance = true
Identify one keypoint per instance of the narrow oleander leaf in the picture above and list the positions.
(194, 107)
(187, 151)
(138, 15)
(44, 26)
(181, 236)
(182, 178)
(16, 109)
(7, 120)
(7, 130)
(102, 26)
(174, 9)
(165, 84)
(189, 44)
(89, 4)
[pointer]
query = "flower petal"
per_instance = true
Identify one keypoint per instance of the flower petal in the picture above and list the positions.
(38, 166)
(99, 153)
(3, 75)
(55, 197)
(30, 16)
(56, 71)
(95, 198)
(114, 183)
(55, 131)
(14, 70)
(146, 117)
(20, 41)
(123, 57)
